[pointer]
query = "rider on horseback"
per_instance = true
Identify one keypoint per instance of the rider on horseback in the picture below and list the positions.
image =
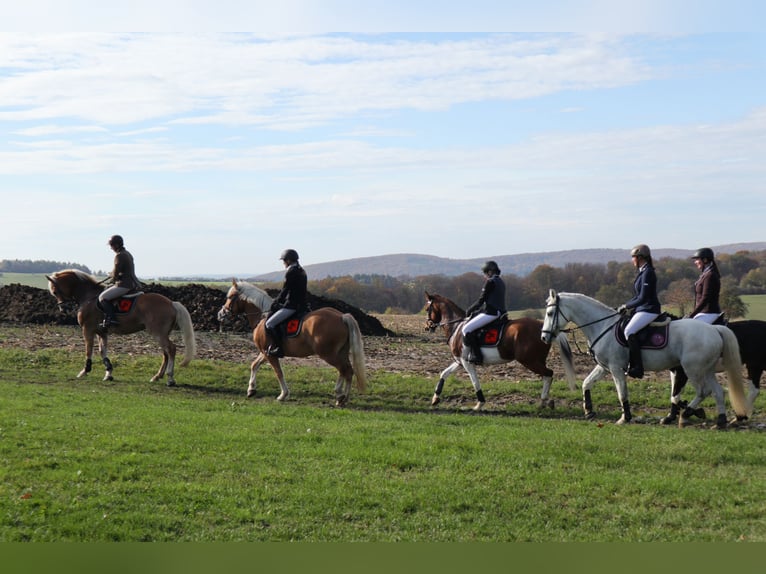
(123, 279)
(291, 298)
(646, 305)
(707, 289)
(490, 306)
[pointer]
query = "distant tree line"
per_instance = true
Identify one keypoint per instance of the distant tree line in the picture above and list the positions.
(742, 273)
(37, 266)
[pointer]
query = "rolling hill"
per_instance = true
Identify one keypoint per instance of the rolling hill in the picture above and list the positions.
(414, 265)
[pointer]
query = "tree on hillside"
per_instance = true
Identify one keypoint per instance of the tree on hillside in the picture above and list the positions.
(38, 266)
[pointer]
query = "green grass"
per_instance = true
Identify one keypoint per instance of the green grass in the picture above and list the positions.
(756, 306)
(85, 460)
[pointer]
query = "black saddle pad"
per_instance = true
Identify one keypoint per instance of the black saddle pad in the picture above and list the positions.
(292, 327)
(654, 336)
(125, 303)
(491, 334)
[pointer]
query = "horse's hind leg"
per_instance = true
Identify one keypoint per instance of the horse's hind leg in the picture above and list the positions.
(168, 361)
(754, 373)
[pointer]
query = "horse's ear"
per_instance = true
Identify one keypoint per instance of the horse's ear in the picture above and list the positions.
(49, 279)
(428, 297)
(234, 281)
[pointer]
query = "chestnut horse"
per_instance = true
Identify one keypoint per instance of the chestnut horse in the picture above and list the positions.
(333, 336)
(151, 311)
(520, 341)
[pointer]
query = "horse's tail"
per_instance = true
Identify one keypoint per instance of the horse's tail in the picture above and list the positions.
(356, 350)
(566, 357)
(184, 323)
(732, 364)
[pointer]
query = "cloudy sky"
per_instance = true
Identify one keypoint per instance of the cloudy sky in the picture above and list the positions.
(212, 152)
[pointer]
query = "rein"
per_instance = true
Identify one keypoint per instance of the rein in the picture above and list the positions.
(580, 327)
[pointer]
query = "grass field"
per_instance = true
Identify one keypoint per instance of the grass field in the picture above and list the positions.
(85, 460)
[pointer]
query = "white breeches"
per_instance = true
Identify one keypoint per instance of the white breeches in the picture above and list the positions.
(638, 321)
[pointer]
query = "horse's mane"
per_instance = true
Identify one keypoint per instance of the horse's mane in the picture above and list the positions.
(78, 275)
(450, 303)
(254, 295)
(584, 297)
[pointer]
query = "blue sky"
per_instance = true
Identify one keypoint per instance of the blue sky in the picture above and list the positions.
(211, 152)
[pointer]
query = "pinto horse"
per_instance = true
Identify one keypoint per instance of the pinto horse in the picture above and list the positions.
(694, 345)
(751, 336)
(520, 341)
(151, 311)
(333, 336)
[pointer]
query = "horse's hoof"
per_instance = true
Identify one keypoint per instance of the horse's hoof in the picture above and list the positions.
(551, 404)
(282, 397)
(341, 402)
(108, 378)
(171, 383)
(623, 420)
(250, 393)
(668, 420)
(589, 416)
(154, 379)
(478, 406)
(721, 422)
(435, 400)
(81, 374)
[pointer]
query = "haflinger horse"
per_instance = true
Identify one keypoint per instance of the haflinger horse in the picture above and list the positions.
(751, 336)
(519, 341)
(694, 345)
(332, 335)
(151, 311)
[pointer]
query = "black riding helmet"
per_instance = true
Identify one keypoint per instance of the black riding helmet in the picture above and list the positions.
(116, 241)
(490, 266)
(704, 253)
(289, 255)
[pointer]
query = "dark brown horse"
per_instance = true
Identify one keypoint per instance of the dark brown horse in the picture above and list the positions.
(520, 341)
(333, 336)
(151, 311)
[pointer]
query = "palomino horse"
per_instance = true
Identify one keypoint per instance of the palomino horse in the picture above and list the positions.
(333, 336)
(751, 336)
(520, 341)
(694, 345)
(151, 311)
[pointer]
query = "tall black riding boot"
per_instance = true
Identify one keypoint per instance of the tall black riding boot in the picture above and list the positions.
(275, 349)
(471, 341)
(635, 361)
(109, 312)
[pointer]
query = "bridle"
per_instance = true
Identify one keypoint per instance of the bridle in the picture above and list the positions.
(225, 314)
(559, 313)
(432, 325)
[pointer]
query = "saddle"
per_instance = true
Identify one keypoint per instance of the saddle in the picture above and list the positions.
(491, 334)
(124, 303)
(653, 336)
(292, 327)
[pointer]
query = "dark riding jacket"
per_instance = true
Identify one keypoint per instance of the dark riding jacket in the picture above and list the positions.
(492, 299)
(707, 289)
(645, 291)
(294, 293)
(124, 272)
